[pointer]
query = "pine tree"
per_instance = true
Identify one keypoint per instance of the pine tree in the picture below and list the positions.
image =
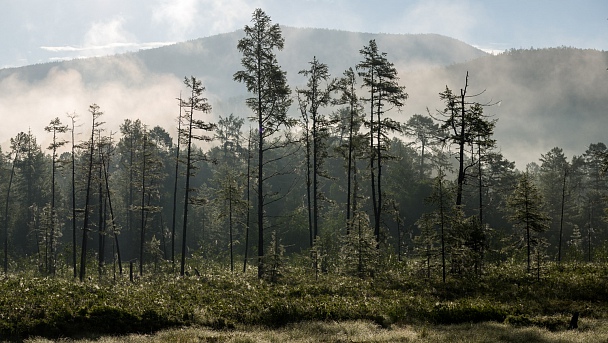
(380, 78)
(264, 78)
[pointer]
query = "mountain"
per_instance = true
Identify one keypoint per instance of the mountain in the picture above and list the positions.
(545, 98)
(216, 58)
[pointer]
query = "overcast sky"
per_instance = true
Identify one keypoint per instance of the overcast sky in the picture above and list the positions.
(35, 31)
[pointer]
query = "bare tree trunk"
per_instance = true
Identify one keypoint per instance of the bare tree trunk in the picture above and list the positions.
(85, 227)
(179, 127)
(73, 118)
(114, 231)
(6, 206)
(143, 211)
(247, 226)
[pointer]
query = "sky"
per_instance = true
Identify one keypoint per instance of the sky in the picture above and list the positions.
(38, 31)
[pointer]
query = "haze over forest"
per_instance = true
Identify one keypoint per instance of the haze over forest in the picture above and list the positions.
(544, 98)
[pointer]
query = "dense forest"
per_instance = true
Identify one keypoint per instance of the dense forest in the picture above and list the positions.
(342, 188)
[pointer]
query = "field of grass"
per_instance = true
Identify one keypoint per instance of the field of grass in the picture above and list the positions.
(591, 331)
(504, 304)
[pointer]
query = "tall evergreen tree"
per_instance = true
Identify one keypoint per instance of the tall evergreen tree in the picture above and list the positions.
(264, 78)
(351, 123)
(95, 114)
(72, 117)
(384, 93)
(195, 103)
(311, 99)
(56, 127)
(176, 176)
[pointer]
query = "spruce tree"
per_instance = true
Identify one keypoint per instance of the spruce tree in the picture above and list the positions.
(526, 207)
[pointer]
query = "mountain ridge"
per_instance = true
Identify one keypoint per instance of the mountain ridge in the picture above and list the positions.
(533, 86)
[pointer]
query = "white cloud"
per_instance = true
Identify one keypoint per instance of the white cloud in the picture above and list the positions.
(108, 32)
(186, 17)
(129, 46)
(453, 19)
(102, 38)
(179, 15)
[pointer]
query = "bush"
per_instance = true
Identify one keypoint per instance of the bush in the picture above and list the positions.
(465, 312)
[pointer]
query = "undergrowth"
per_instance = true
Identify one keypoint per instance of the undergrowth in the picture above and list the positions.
(62, 307)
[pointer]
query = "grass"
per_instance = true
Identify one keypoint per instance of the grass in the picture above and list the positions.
(231, 306)
(365, 331)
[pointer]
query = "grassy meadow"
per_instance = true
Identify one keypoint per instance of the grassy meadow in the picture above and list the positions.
(503, 305)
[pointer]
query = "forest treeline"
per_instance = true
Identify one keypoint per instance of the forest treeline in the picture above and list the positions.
(343, 184)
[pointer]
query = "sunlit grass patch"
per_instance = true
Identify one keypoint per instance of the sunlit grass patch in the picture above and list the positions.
(590, 331)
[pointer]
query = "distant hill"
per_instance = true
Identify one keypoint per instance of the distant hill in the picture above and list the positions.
(548, 97)
(216, 58)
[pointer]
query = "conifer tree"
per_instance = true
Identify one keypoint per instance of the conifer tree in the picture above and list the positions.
(56, 127)
(384, 93)
(267, 82)
(526, 206)
(191, 131)
(95, 114)
(311, 100)
(351, 150)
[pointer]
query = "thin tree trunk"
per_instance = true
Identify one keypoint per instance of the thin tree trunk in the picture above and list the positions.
(315, 174)
(73, 202)
(247, 226)
(379, 160)
(114, 231)
(179, 127)
(230, 225)
(461, 143)
(85, 227)
(349, 168)
(6, 206)
(100, 219)
(260, 174)
(372, 164)
(442, 224)
(143, 211)
(187, 190)
(561, 219)
(52, 234)
(311, 232)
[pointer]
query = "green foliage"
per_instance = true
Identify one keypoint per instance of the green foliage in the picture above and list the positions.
(466, 312)
(359, 253)
(53, 307)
